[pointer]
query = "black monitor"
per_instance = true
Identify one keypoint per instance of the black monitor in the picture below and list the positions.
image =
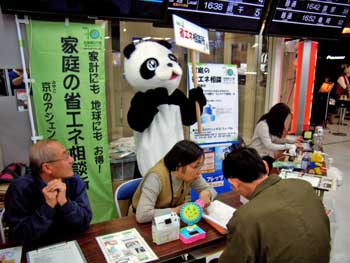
(243, 16)
(313, 19)
(147, 10)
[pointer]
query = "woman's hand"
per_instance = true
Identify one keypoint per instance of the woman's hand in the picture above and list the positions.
(176, 209)
(299, 139)
(205, 196)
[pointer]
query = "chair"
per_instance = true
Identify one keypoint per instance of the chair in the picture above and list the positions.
(123, 195)
(2, 227)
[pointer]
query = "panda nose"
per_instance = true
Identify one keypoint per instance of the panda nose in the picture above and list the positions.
(170, 65)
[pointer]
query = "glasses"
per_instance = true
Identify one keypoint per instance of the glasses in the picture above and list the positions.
(198, 167)
(65, 157)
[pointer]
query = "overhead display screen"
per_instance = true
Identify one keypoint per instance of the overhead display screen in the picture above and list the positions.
(308, 18)
(228, 15)
(152, 10)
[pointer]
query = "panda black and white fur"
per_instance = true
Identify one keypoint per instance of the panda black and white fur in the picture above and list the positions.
(158, 110)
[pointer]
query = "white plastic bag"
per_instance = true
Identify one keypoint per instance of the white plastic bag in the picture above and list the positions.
(335, 173)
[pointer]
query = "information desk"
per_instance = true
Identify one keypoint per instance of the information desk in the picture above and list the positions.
(165, 251)
(93, 253)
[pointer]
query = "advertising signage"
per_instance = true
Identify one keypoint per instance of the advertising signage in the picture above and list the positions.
(308, 18)
(228, 15)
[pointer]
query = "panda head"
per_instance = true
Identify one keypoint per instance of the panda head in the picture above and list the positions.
(150, 65)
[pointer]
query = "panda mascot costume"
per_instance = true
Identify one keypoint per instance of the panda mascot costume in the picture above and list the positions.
(158, 109)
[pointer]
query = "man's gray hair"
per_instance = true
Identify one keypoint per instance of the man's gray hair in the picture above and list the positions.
(40, 153)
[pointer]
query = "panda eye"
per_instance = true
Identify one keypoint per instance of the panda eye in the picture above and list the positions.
(172, 57)
(152, 64)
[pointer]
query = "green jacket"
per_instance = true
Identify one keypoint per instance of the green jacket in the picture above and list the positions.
(284, 222)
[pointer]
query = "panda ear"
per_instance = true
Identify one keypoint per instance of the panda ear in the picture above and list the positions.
(165, 44)
(128, 50)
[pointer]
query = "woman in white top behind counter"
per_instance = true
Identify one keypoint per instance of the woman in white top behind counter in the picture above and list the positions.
(270, 134)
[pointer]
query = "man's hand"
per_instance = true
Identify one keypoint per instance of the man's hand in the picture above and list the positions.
(59, 188)
(61, 197)
(50, 196)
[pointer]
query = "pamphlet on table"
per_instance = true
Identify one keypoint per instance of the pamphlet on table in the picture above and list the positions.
(320, 182)
(11, 254)
(66, 252)
(126, 246)
(218, 214)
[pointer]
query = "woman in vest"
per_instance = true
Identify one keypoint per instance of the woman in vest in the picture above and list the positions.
(166, 184)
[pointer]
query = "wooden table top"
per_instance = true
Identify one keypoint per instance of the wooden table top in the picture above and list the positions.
(92, 252)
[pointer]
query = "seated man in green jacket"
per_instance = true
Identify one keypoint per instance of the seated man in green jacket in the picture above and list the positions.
(284, 221)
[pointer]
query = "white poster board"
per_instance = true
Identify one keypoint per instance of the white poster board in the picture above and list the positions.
(190, 35)
(220, 115)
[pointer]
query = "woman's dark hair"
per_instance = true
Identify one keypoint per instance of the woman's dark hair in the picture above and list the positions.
(275, 118)
(244, 164)
(183, 153)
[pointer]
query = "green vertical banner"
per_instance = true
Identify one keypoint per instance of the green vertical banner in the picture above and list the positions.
(67, 66)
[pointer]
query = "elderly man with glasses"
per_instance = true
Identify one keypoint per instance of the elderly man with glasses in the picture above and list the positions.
(50, 202)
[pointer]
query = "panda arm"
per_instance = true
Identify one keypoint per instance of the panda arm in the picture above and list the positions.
(188, 105)
(141, 112)
(144, 107)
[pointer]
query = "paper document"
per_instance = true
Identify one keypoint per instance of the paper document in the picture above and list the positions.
(219, 213)
(67, 252)
(11, 254)
(313, 180)
(126, 246)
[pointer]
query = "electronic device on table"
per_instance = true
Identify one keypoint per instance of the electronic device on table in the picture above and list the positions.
(165, 228)
(190, 214)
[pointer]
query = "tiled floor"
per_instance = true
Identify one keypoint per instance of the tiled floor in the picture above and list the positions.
(338, 147)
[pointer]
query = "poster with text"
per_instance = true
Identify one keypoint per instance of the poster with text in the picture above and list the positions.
(220, 115)
(67, 66)
(212, 167)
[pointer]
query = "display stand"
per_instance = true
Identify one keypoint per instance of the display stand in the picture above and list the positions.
(326, 112)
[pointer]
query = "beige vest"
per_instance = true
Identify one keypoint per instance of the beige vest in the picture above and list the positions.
(164, 199)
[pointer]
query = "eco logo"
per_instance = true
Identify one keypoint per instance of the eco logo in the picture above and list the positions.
(94, 34)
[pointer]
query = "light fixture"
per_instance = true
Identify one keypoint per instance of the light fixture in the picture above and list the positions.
(335, 57)
(346, 30)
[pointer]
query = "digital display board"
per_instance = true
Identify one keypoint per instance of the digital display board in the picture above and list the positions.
(149, 10)
(228, 15)
(308, 18)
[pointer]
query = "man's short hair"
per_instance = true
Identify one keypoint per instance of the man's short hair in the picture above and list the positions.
(244, 164)
(183, 153)
(40, 153)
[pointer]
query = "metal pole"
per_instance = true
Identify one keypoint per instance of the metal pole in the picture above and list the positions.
(326, 113)
(25, 76)
(8, 83)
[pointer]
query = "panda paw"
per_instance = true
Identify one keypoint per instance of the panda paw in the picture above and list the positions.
(157, 96)
(198, 95)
